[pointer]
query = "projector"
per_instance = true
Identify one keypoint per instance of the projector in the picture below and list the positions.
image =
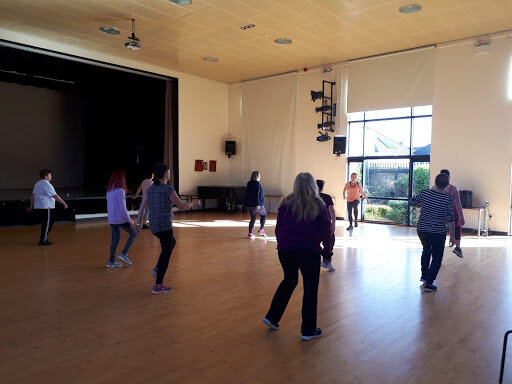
(133, 45)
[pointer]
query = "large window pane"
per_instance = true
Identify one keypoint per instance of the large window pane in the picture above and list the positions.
(421, 135)
(391, 211)
(388, 137)
(388, 113)
(386, 178)
(355, 139)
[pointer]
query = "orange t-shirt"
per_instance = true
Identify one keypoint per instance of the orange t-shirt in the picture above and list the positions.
(353, 192)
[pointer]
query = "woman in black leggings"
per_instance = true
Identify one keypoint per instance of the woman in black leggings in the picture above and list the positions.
(161, 197)
(352, 193)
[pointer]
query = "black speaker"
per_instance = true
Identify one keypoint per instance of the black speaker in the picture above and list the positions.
(230, 148)
(466, 198)
(339, 145)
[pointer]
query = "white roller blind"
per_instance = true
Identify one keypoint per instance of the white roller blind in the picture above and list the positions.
(397, 80)
(269, 110)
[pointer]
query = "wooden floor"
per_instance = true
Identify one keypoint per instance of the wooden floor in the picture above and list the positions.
(68, 319)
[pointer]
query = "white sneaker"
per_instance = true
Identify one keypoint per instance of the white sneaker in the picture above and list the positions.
(328, 266)
(125, 258)
(114, 264)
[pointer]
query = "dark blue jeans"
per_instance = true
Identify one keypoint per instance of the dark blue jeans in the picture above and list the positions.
(432, 255)
(308, 262)
(116, 236)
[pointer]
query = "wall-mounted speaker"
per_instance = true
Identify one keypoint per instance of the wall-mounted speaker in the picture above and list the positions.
(339, 145)
(230, 148)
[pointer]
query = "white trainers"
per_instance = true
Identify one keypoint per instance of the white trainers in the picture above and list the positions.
(114, 264)
(125, 258)
(328, 266)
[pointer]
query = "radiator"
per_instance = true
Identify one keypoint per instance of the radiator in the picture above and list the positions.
(475, 219)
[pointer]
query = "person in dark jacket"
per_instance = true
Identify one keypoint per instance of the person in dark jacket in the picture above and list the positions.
(255, 202)
(329, 204)
(303, 222)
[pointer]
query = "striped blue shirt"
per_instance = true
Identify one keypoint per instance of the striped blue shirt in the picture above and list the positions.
(436, 211)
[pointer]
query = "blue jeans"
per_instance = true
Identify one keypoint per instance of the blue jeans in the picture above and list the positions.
(116, 235)
(432, 255)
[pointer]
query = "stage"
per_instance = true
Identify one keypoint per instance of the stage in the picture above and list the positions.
(82, 203)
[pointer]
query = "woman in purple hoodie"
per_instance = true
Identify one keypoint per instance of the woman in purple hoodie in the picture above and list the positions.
(118, 218)
(303, 222)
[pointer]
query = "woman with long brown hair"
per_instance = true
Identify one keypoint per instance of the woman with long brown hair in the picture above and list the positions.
(118, 218)
(303, 222)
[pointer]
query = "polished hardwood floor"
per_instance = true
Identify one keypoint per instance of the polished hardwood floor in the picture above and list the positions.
(68, 319)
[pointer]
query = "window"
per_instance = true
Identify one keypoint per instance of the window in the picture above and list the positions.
(390, 152)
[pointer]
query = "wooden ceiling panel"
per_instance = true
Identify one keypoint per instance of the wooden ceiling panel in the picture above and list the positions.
(323, 31)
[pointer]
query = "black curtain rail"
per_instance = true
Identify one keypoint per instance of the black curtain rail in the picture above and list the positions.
(412, 158)
(389, 118)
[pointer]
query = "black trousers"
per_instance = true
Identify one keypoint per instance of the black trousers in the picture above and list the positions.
(308, 262)
(327, 251)
(432, 255)
(167, 242)
(46, 218)
(352, 206)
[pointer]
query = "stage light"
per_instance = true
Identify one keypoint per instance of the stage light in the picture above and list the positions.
(323, 108)
(327, 124)
(315, 95)
(323, 137)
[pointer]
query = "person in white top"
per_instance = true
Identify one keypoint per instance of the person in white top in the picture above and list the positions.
(143, 187)
(43, 200)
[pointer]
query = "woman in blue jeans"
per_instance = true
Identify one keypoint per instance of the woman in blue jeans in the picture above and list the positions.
(303, 222)
(161, 197)
(118, 218)
(255, 202)
(436, 216)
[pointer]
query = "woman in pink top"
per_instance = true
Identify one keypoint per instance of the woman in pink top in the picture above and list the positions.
(352, 193)
(118, 218)
(453, 191)
(144, 186)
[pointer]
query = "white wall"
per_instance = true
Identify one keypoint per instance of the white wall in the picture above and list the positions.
(203, 112)
(472, 123)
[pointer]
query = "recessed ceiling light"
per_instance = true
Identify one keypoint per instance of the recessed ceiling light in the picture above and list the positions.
(283, 40)
(210, 59)
(110, 30)
(182, 2)
(408, 9)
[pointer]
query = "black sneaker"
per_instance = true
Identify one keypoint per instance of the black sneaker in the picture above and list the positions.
(316, 334)
(458, 252)
(349, 228)
(430, 288)
(423, 280)
(355, 224)
(270, 324)
(45, 242)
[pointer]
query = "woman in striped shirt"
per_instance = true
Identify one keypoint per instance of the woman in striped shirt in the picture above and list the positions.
(435, 216)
